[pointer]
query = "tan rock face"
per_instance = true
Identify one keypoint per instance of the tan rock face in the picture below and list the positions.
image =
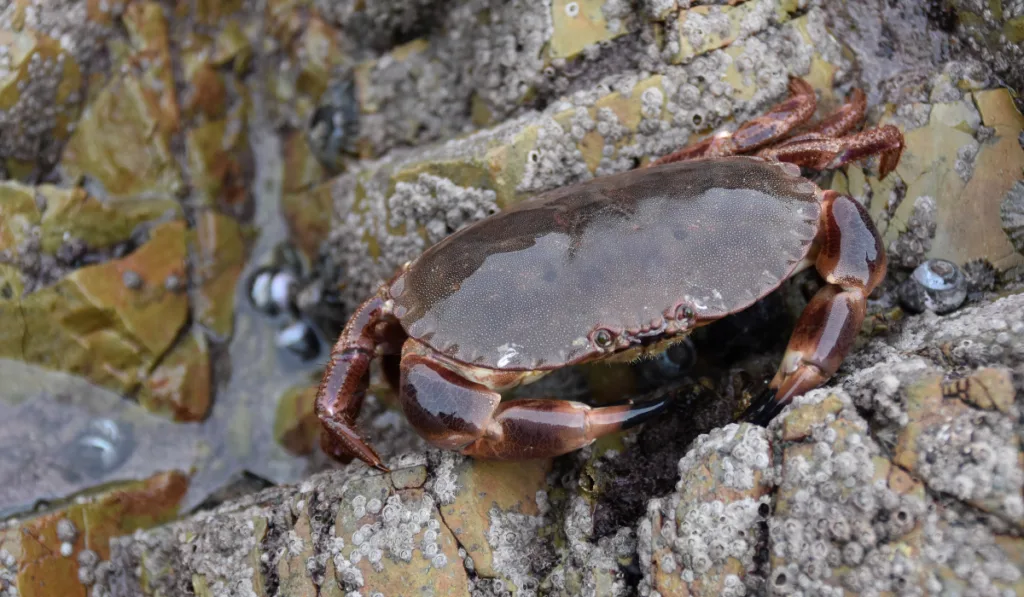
(114, 145)
(577, 25)
(969, 229)
(296, 426)
(180, 386)
(480, 488)
(962, 159)
(219, 252)
(91, 324)
(167, 122)
(60, 553)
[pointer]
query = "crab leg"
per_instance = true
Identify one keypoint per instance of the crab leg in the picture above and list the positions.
(840, 122)
(770, 126)
(343, 387)
(454, 413)
(852, 261)
(821, 152)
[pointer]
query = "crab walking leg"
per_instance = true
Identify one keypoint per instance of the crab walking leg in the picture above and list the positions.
(837, 124)
(823, 153)
(840, 122)
(343, 387)
(756, 133)
(454, 413)
(853, 263)
(544, 428)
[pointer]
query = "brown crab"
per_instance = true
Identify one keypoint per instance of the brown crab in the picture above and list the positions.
(615, 268)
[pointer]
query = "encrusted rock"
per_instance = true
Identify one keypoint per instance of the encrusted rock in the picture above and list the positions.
(843, 516)
(61, 552)
(473, 494)
(970, 453)
(88, 324)
(49, 52)
(606, 127)
(704, 538)
(993, 35)
(850, 519)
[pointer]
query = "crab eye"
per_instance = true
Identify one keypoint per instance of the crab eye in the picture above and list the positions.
(603, 338)
(684, 312)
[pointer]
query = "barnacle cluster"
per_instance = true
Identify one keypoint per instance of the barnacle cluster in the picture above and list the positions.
(395, 532)
(707, 534)
(438, 205)
(837, 524)
(47, 83)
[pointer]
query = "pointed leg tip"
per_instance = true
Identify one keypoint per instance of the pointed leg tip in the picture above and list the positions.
(342, 443)
(763, 408)
(620, 416)
(369, 456)
(888, 163)
(372, 459)
(370, 462)
(641, 412)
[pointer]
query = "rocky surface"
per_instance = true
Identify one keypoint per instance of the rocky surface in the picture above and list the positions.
(991, 32)
(389, 210)
(903, 477)
(193, 197)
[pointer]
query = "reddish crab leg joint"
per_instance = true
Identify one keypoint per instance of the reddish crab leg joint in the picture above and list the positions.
(616, 268)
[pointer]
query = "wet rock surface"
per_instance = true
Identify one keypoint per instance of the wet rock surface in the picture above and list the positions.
(193, 198)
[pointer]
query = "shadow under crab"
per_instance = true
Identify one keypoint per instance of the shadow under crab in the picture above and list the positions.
(613, 269)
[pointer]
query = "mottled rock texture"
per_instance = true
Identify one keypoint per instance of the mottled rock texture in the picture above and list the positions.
(401, 122)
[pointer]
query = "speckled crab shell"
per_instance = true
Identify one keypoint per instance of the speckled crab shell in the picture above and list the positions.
(584, 271)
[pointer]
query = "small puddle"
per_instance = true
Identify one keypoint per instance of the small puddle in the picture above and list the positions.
(60, 435)
(240, 429)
